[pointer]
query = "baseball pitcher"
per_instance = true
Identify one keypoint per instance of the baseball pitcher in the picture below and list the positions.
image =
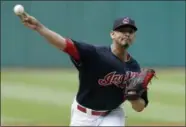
(108, 75)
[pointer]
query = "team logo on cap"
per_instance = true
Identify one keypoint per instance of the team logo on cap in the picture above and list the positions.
(126, 20)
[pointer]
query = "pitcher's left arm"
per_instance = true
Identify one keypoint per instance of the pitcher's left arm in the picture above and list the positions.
(136, 90)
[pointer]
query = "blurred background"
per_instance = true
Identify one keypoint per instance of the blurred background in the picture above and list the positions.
(38, 81)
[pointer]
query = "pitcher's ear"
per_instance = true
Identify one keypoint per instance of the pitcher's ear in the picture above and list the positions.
(112, 34)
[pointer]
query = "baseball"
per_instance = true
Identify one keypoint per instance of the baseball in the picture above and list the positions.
(18, 9)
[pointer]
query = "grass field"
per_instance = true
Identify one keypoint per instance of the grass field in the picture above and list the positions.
(44, 97)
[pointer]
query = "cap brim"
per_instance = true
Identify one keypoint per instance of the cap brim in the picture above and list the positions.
(127, 25)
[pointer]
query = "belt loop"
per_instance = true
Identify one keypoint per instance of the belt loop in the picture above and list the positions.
(89, 111)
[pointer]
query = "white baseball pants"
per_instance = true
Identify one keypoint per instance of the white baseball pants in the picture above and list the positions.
(79, 118)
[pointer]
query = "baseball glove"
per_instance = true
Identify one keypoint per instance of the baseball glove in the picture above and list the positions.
(138, 84)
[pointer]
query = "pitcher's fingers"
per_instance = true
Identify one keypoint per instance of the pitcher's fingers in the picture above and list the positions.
(25, 23)
(21, 17)
(25, 19)
(26, 14)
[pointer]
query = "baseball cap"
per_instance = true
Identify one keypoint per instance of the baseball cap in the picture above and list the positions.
(125, 21)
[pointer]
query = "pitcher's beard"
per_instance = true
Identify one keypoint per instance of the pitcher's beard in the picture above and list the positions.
(126, 46)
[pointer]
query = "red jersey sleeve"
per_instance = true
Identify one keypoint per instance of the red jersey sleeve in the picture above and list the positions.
(71, 49)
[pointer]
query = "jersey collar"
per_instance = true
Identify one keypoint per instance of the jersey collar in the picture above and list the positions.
(128, 55)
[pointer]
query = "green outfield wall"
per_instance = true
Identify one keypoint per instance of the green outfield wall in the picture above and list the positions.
(160, 40)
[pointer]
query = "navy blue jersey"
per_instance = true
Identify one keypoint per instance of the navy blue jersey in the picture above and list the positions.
(102, 76)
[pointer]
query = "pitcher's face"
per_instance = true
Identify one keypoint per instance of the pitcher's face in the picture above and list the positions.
(124, 36)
